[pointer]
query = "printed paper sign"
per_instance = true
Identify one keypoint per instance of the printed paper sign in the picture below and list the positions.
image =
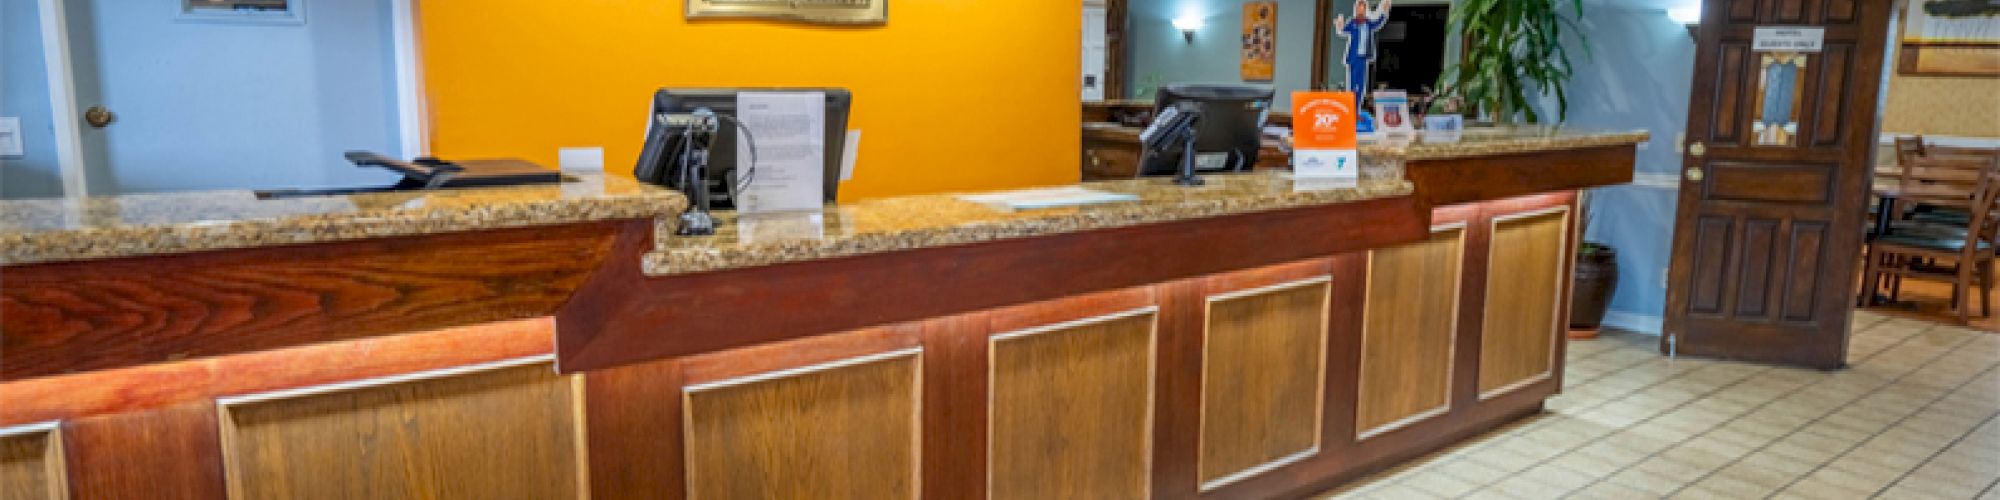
(1392, 112)
(1789, 40)
(790, 169)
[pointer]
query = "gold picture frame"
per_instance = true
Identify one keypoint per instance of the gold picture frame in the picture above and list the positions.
(807, 11)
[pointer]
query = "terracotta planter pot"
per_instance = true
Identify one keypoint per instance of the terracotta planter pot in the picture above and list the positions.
(1596, 277)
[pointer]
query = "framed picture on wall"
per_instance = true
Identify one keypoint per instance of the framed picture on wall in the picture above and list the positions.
(241, 11)
(1951, 38)
(1260, 40)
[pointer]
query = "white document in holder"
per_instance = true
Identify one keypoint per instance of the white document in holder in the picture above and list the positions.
(789, 129)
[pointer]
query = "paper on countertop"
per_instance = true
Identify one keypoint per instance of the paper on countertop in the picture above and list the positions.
(789, 173)
(1028, 199)
(780, 226)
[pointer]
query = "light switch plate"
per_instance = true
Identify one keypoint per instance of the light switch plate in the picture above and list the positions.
(10, 136)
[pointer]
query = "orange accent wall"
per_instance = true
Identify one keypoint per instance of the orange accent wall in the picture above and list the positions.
(950, 95)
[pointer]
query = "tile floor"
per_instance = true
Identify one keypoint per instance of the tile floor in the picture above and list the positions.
(1913, 417)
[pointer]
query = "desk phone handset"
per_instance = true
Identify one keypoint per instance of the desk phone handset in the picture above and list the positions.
(1174, 126)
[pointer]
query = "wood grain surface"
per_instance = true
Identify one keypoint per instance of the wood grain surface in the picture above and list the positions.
(830, 432)
(616, 319)
(31, 467)
(168, 454)
(1464, 180)
(506, 433)
(1263, 375)
(1406, 345)
(1524, 288)
(93, 315)
(1072, 411)
(197, 381)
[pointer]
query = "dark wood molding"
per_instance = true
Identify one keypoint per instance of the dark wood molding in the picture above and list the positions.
(623, 317)
(93, 315)
(1114, 49)
(1462, 180)
(1322, 44)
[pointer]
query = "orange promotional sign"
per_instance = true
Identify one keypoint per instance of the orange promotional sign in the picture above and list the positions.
(1323, 120)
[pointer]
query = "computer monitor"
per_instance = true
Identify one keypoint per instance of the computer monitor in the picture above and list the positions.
(673, 110)
(1231, 128)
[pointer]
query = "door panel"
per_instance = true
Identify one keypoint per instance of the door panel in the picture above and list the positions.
(1769, 225)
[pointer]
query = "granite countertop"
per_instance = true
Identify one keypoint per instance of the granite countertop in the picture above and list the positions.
(1483, 141)
(913, 222)
(1497, 141)
(907, 223)
(55, 230)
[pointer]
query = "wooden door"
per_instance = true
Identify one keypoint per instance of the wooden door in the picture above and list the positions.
(1775, 181)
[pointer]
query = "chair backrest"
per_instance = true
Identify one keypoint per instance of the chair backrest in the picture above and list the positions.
(1908, 146)
(1951, 181)
(1985, 223)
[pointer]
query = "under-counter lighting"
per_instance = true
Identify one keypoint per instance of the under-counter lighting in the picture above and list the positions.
(1685, 15)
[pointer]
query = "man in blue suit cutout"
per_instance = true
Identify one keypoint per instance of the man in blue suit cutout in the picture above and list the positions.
(1360, 34)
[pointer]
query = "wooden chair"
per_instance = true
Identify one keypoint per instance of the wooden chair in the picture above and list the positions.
(1914, 252)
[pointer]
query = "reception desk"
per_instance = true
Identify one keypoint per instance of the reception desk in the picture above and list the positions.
(1253, 338)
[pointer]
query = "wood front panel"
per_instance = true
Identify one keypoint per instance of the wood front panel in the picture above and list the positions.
(1406, 339)
(1071, 412)
(1262, 378)
(31, 467)
(59, 317)
(501, 433)
(1524, 290)
(846, 429)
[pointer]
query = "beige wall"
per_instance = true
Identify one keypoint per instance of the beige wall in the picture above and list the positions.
(1955, 106)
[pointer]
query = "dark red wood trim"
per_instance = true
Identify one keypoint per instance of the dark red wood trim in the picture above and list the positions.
(183, 382)
(94, 315)
(1462, 180)
(171, 453)
(955, 408)
(662, 317)
(1322, 44)
(633, 426)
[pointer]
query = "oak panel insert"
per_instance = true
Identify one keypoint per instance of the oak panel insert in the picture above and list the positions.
(1408, 325)
(1263, 379)
(502, 430)
(31, 463)
(1071, 413)
(844, 429)
(1524, 291)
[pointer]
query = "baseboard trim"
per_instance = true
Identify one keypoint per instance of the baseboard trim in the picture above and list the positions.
(1649, 324)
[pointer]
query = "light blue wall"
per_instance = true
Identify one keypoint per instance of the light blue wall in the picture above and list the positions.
(207, 105)
(24, 93)
(1159, 54)
(1636, 77)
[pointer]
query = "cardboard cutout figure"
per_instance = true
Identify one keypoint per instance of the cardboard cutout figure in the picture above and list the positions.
(1360, 34)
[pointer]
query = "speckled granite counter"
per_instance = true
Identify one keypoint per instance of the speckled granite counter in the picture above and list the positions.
(914, 222)
(907, 223)
(52, 230)
(1496, 141)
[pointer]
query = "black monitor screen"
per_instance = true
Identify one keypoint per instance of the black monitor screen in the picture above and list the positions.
(673, 110)
(1232, 125)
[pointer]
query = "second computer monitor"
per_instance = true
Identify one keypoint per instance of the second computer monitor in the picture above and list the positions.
(672, 108)
(1231, 128)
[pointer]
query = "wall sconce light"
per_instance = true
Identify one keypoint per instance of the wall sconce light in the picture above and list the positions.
(1188, 25)
(1686, 16)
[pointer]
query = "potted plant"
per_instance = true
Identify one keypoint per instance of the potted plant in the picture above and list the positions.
(1595, 278)
(1513, 54)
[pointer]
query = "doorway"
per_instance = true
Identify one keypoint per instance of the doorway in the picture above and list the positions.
(148, 97)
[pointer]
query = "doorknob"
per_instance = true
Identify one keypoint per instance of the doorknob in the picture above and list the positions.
(1697, 150)
(98, 116)
(1694, 174)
